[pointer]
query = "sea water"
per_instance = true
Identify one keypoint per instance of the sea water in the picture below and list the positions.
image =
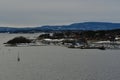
(56, 62)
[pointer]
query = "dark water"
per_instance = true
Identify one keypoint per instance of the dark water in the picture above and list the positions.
(58, 63)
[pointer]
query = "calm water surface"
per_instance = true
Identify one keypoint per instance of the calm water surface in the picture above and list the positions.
(57, 63)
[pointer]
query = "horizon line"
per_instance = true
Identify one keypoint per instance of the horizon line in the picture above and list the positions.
(18, 26)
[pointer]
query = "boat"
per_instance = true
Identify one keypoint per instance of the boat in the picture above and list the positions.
(18, 58)
(102, 48)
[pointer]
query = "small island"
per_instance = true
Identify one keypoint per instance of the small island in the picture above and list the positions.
(18, 40)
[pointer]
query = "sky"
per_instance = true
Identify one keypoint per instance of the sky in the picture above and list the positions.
(30, 13)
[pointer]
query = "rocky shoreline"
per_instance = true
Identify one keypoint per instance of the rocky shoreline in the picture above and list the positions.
(80, 40)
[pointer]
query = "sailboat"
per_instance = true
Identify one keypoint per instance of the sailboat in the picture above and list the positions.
(18, 58)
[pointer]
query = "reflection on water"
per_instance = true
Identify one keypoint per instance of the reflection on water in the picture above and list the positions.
(57, 63)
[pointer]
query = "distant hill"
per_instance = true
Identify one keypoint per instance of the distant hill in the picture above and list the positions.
(75, 26)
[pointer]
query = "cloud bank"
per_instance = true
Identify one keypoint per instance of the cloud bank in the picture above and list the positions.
(20, 13)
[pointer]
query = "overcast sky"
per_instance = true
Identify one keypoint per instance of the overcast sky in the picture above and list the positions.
(21, 13)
